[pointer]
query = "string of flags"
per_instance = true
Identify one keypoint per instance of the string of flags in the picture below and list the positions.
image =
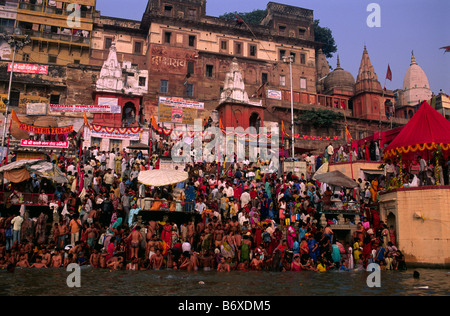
(179, 134)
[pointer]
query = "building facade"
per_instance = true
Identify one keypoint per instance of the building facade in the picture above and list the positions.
(177, 51)
(60, 30)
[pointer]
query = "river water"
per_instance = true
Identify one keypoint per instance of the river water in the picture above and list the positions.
(94, 282)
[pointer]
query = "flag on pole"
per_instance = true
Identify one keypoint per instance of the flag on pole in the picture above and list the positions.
(221, 125)
(283, 130)
(389, 73)
(86, 123)
(347, 134)
(14, 116)
(153, 123)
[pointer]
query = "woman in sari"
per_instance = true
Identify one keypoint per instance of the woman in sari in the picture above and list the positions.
(290, 236)
(166, 234)
(313, 247)
(374, 189)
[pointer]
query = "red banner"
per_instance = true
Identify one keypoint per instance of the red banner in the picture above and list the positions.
(41, 130)
(46, 130)
(29, 68)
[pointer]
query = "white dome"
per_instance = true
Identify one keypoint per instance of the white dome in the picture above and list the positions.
(415, 85)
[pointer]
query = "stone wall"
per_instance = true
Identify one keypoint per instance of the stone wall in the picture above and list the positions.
(421, 218)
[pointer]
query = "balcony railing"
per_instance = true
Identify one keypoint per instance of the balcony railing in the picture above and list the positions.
(54, 36)
(52, 10)
(29, 199)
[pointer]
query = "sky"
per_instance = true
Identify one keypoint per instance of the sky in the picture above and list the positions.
(404, 26)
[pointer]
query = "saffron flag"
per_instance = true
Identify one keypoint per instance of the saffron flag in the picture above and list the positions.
(347, 134)
(14, 116)
(221, 125)
(283, 130)
(389, 73)
(86, 123)
(153, 123)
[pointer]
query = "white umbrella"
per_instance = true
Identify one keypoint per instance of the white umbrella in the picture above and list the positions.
(323, 169)
(159, 178)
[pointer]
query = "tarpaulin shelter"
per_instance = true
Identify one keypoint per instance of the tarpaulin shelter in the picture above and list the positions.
(21, 170)
(425, 132)
(159, 178)
(336, 178)
(139, 147)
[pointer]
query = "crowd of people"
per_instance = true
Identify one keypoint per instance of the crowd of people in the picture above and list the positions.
(246, 220)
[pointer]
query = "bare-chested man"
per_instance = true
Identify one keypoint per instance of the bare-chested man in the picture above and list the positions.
(149, 234)
(93, 216)
(46, 257)
(153, 227)
(238, 243)
(94, 260)
(218, 235)
(115, 263)
(185, 262)
(70, 259)
(207, 261)
(170, 262)
(195, 261)
(135, 238)
(38, 264)
(102, 259)
(256, 263)
(63, 232)
(151, 246)
(234, 225)
(190, 232)
(223, 266)
(23, 262)
(92, 236)
(57, 259)
(156, 260)
(199, 228)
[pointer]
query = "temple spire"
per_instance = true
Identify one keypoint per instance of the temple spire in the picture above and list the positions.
(413, 59)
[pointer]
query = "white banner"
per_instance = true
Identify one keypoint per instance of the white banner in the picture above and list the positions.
(274, 94)
(130, 136)
(181, 103)
(40, 143)
(112, 109)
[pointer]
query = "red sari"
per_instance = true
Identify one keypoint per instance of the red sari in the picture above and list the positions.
(166, 234)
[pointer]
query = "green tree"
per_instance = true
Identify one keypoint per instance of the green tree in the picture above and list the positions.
(320, 118)
(322, 34)
(253, 17)
(325, 35)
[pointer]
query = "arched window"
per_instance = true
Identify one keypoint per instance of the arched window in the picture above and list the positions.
(255, 121)
(128, 114)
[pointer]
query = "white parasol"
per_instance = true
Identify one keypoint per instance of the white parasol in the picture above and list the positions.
(159, 178)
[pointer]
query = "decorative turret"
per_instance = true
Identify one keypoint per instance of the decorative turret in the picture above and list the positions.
(367, 79)
(416, 87)
(234, 87)
(110, 79)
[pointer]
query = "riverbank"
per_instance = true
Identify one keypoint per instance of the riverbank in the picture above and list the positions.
(104, 282)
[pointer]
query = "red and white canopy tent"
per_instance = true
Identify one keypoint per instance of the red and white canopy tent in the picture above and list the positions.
(427, 131)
